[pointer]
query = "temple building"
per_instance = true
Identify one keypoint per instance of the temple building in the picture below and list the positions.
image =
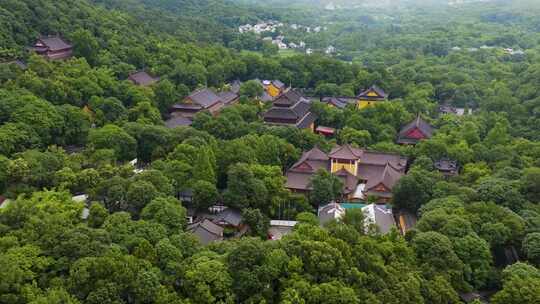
(53, 48)
(142, 78)
(370, 97)
(291, 109)
(363, 173)
(274, 87)
(203, 100)
(447, 167)
(415, 131)
(338, 102)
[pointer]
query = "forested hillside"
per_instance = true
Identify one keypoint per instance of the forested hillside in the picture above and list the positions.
(73, 128)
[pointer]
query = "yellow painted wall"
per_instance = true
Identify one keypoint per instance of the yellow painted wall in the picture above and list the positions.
(272, 90)
(362, 104)
(372, 94)
(352, 168)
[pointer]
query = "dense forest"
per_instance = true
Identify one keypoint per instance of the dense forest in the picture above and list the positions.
(73, 127)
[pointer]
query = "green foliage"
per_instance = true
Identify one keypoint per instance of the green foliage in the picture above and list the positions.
(205, 194)
(113, 137)
(257, 222)
(414, 190)
(251, 89)
(326, 188)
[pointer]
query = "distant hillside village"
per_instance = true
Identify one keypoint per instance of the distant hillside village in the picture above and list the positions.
(367, 177)
(271, 31)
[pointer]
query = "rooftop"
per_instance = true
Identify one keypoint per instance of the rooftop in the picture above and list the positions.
(53, 43)
(142, 78)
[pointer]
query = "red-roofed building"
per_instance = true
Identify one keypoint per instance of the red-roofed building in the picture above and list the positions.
(325, 131)
(415, 131)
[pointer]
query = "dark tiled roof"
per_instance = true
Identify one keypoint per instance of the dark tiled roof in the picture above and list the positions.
(204, 97)
(446, 165)
(299, 180)
(346, 152)
(301, 108)
(382, 158)
(299, 176)
(382, 94)
(373, 167)
(178, 121)
(142, 78)
(186, 106)
(266, 97)
(381, 216)
(278, 84)
(339, 103)
(306, 121)
(445, 109)
(417, 123)
(227, 97)
(230, 216)
(206, 231)
(55, 43)
(350, 182)
(315, 159)
(329, 212)
(314, 154)
(288, 98)
(283, 113)
(388, 178)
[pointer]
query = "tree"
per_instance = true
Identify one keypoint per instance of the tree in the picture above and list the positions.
(207, 281)
(113, 137)
(361, 138)
(517, 291)
(205, 194)
(97, 215)
(257, 222)
(107, 110)
(436, 255)
(85, 45)
(327, 89)
(244, 189)
(251, 89)
(500, 191)
(439, 291)
(140, 194)
(166, 211)
(334, 292)
(355, 219)
(145, 113)
(204, 166)
(157, 179)
(307, 218)
(165, 95)
(17, 137)
(326, 188)
(531, 247)
(414, 189)
(76, 125)
(19, 267)
(55, 296)
(530, 184)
